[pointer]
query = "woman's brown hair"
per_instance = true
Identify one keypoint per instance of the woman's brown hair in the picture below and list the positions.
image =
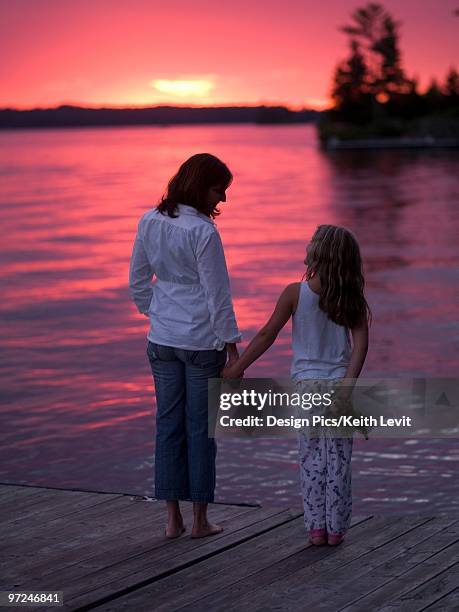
(334, 255)
(192, 182)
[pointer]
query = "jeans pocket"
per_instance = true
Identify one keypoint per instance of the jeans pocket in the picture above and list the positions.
(151, 352)
(207, 359)
(160, 352)
(203, 359)
(221, 358)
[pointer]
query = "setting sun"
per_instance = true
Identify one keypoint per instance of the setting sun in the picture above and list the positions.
(183, 88)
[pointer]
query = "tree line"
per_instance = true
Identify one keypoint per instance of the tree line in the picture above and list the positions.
(371, 83)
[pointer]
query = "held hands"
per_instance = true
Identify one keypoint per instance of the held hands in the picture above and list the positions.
(232, 370)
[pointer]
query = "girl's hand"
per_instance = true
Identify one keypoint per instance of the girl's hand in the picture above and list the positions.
(232, 371)
(232, 361)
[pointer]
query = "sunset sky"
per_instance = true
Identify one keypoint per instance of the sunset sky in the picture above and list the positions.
(204, 52)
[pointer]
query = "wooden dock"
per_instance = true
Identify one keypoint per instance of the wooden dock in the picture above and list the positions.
(107, 551)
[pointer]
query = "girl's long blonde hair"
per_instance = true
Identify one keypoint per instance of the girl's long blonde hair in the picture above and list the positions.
(334, 255)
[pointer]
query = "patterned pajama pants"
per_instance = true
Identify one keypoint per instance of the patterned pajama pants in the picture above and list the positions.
(325, 475)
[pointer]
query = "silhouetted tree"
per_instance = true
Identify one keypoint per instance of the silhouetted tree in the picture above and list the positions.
(371, 88)
(408, 104)
(433, 98)
(451, 91)
(349, 90)
(452, 84)
(392, 78)
(378, 34)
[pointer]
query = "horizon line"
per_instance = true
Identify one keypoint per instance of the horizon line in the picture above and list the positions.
(164, 105)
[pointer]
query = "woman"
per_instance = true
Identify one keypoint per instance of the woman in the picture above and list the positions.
(193, 330)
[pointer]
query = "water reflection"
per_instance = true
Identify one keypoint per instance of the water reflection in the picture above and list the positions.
(76, 385)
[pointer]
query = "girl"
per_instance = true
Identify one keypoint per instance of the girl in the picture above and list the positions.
(327, 308)
(193, 330)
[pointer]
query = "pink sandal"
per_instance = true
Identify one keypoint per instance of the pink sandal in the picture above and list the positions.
(334, 539)
(317, 537)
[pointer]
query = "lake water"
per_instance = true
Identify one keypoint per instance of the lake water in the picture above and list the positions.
(77, 394)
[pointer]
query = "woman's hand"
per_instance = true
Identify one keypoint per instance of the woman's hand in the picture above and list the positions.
(230, 370)
(233, 354)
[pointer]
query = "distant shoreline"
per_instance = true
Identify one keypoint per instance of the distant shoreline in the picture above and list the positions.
(367, 144)
(74, 116)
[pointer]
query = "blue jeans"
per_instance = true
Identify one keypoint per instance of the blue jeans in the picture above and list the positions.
(184, 455)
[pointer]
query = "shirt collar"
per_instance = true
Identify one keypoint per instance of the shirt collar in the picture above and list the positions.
(185, 209)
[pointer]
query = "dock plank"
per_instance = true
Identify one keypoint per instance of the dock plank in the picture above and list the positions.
(217, 573)
(291, 580)
(24, 529)
(448, 603)
(409, 580)
(102, 543)
(108, 551)
(22, 500)
(430, 591)
(52, 504)
(9, 491)
(48, 525)
(93, 581)
(354, 586)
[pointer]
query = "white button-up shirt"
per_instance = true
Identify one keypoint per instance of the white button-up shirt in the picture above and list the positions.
(178, 276)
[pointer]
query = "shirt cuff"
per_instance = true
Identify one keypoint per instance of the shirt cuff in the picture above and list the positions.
(233, 339)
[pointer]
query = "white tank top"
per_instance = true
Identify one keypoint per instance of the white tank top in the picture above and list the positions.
(321, 348)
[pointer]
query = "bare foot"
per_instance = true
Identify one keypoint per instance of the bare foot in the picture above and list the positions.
(205, 529)
(174, 530)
